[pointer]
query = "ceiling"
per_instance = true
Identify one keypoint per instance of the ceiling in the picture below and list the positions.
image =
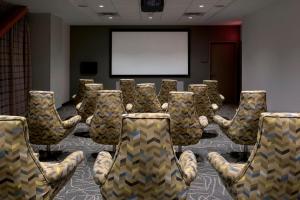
(88, 12)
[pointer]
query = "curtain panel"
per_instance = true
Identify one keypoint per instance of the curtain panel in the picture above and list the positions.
(15, 69)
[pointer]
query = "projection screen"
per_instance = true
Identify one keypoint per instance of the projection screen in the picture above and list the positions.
(149, 53)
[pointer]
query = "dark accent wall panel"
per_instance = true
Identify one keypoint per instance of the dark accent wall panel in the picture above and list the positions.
(91, 43)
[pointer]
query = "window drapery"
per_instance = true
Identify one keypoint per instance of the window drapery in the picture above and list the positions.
(15, 69)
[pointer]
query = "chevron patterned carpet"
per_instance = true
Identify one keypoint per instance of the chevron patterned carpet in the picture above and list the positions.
(207, 186)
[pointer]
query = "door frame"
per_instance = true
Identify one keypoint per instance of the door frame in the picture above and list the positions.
(238, 49)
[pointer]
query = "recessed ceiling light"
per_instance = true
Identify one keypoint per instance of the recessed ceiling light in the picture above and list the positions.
(150, 17)
(190, 17)
(110, 17)
(101, 6)
(201, 6)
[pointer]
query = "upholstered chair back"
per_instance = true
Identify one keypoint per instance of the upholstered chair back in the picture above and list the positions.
(88, 104)
(244, 125)
(81, 89)
(146, 100)
(106, 123)
(21, 175)
(127, 86)
(185, 126)
(273, 169)
(213, 92)
(145, 166)
(43, 119)
(202, 102)
(167, 85)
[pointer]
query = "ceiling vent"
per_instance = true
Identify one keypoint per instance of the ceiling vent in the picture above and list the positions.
(194, 14)
(108, 14)
(220, 6)
(80, 3)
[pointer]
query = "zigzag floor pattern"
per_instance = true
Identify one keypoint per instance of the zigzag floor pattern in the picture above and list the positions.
(207, 186)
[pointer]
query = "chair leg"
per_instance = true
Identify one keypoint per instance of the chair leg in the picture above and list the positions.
(48, 151)
(245, 153)
(179, 149)
(48, 155)
(241, 156)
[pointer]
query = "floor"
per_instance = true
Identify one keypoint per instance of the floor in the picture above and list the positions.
(207, 185)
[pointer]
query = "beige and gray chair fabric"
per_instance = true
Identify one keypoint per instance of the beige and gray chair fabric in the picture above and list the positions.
(273, 169)
(242, 129)
(45, 124)
(106, 123)
(145, 166)
(186, 127)
(127, 86)
(88, 105)
(203, 105)
(213, 92)
(167, 85)
(146, 100)
(77, 98)
(22, 176)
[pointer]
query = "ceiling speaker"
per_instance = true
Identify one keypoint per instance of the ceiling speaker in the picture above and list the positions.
(152, 5)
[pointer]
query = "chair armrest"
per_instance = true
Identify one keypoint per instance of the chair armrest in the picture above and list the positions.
(228, 171)
(102, 167)
(222, 97)
(89, 120)
(57, 171)
(215, 107)
(165, 107)
(129, 107)
(70, 123)
(188, 164)
(78, 106)
(224, 123)
(203, 121)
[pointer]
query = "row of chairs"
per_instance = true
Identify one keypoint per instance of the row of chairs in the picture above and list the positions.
(105, 107)
(251, 125)
(145, 165)
(186, 109)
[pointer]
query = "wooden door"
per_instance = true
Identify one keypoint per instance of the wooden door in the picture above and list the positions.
(224, 67)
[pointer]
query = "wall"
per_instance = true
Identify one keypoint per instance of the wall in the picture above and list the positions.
(40, 50)
(271, 54)
(91, 43)
(59, 62)
(50, 38)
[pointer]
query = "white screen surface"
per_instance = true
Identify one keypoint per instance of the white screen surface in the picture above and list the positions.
(149, 53)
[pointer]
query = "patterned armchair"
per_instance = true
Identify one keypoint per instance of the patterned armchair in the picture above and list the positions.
(45, 125)
(166, 87)
(273, 169)
(22, 176)
(213, 92)
(186, 127)
(88, 105)
(127, 86)
(77, 98)
(106, 123)
(145, 166)
(146, 99)
(202, 102)
(242, 129)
